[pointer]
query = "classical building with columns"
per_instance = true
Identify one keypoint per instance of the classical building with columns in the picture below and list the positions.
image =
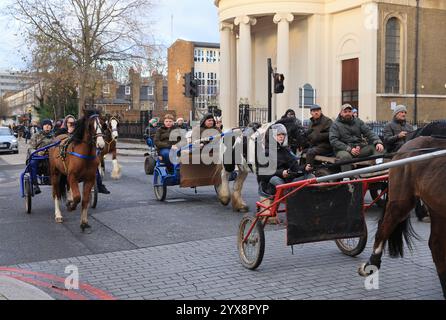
(363, 52)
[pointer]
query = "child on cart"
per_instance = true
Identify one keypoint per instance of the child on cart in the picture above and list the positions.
(283, 161)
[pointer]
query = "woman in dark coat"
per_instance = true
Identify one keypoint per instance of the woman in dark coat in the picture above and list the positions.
(296, 133)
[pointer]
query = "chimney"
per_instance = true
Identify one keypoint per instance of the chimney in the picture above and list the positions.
(135, 83)
(158, 91)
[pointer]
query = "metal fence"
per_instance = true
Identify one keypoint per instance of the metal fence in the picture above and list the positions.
(248, 115)
(378, 126)
(133, 130)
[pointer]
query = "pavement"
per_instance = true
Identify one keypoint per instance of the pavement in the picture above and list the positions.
(13, 289)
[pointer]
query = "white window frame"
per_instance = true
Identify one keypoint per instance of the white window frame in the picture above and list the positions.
(127, 90)
(106, 88)
(150, 90)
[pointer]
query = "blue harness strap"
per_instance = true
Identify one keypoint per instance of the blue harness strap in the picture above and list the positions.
(82, 156)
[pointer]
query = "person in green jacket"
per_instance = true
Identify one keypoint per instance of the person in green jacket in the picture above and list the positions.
(351, 138)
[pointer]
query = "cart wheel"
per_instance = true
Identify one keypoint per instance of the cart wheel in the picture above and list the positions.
(352, 246)
(28, 195)
(94, 196)
(149, 165)
(159, 189)
(251, 252)
(374, 193)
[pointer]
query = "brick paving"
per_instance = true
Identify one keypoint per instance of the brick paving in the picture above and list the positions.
(210, 269)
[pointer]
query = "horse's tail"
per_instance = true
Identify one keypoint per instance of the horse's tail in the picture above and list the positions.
(63, 182)
(396, 245)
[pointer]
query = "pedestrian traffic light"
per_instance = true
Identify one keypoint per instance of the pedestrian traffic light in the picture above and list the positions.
(278, 83)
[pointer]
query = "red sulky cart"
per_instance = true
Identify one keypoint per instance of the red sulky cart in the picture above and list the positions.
(315, 211)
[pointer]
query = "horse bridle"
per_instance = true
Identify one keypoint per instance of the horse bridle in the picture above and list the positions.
(98, 128)
(110, 128)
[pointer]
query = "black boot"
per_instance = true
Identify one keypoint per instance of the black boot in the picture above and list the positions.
(36, 189)
(103, 189)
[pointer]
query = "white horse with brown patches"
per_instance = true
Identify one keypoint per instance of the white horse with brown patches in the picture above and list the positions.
(239, 152)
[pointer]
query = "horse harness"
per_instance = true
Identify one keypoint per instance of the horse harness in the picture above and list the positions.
(63, 146)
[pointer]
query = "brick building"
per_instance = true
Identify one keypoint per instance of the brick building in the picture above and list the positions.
(136, 94)
(204, 58)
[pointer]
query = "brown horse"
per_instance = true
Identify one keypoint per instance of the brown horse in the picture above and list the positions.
(77, 163)
(110, 127)
(425, 180)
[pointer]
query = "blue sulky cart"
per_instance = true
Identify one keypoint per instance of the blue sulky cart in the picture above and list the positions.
(43, 177)
(187, 175)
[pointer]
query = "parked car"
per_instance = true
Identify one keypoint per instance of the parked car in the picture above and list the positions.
(8, 141)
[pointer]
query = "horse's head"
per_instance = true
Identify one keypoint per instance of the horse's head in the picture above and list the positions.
(113, 127)
(96, 131)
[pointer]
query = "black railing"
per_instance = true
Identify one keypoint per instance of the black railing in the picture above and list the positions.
(249, 114)
(378, 126)
(132, 130)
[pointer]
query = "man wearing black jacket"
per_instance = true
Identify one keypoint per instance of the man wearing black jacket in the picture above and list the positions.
(318, 135)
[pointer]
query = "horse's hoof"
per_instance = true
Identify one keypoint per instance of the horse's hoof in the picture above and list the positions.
(243, 209)
(59, 220)
(85, 226)
(225, 202)
(361, 270)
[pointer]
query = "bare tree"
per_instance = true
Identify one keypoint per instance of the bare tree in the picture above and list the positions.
(94, 32)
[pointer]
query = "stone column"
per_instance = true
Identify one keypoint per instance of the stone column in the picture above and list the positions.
(245, 56)
(283, 58)
(225, 73)
(234, 105)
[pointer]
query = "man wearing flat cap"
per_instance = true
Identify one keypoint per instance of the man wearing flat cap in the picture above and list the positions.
(318, 135)
(346, 137)
(395, 132)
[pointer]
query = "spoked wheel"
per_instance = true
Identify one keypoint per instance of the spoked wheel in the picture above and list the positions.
(251, 252)
(159, 188)
(149, 164)
(28, 195)
(352, 246)
(94, 196)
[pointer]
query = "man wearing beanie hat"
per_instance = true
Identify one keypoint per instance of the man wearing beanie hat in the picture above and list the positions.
(346, 137)
(40, 140)
(395, 132)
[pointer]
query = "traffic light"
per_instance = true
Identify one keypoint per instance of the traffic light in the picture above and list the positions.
(194, 88)
(190, 85)
(278, 83)
(186, 85)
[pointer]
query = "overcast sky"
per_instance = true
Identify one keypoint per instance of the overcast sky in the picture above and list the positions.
(192, 20)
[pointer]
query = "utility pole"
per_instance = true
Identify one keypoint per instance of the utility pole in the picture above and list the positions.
(270, 94)
(417, 34)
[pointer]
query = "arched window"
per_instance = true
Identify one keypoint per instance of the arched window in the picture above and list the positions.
(393, 55)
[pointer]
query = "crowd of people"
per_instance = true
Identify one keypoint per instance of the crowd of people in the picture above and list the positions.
(346, 138)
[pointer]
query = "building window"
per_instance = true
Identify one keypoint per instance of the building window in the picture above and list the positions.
(127, 90)
(106, 89)
(150, 90)
(393, 54)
